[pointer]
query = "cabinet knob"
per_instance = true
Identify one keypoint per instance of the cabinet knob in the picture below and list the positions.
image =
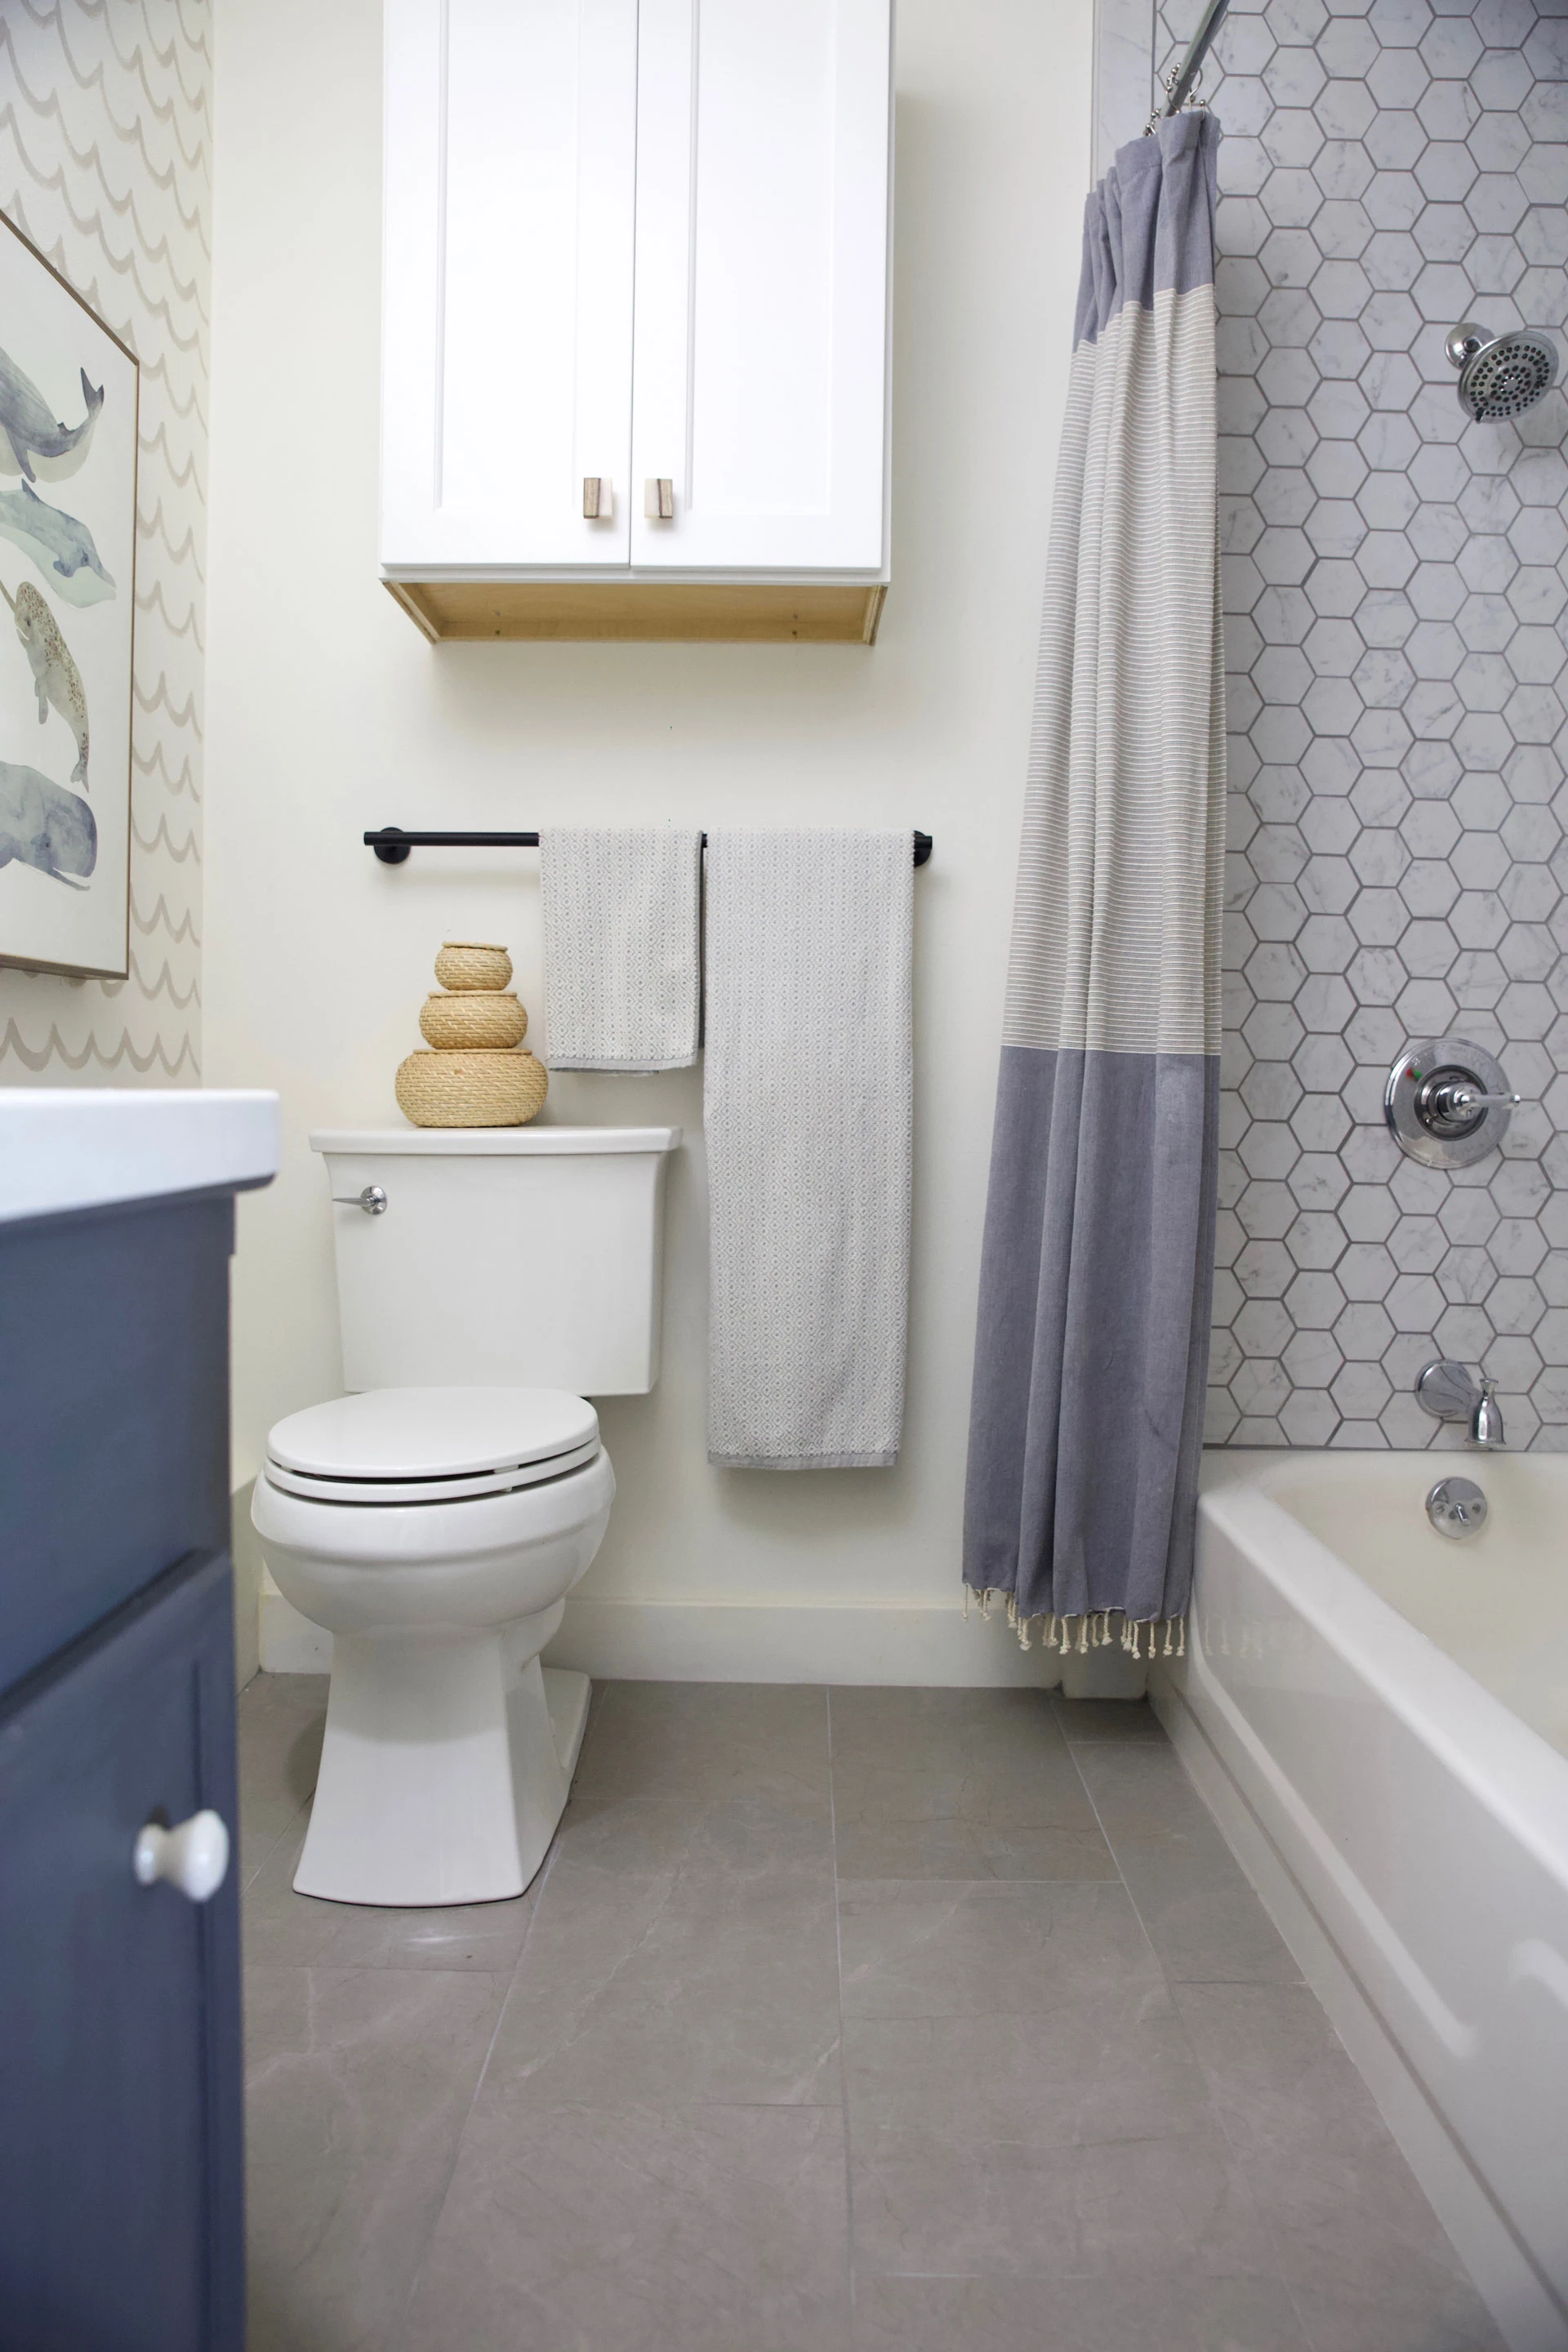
(193, 1856)
(658, 498)
(598, 497)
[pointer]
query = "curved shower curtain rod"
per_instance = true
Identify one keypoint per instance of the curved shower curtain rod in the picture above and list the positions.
(1179, 83)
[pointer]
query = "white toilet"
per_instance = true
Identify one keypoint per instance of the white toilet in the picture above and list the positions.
(489, 1279)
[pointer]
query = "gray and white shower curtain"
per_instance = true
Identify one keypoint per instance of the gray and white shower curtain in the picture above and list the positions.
(1092, 1344)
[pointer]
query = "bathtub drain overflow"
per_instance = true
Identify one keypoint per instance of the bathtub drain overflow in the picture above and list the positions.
(1456, 1507)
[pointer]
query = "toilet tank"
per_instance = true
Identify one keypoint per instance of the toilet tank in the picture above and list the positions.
(514, 1255)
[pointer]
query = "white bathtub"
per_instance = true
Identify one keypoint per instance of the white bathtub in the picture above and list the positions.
(1378, 1716)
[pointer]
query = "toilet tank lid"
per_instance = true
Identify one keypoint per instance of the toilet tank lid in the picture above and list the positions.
(491, 1142)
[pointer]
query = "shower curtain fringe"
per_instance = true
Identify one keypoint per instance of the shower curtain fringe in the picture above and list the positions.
(1093, 1631)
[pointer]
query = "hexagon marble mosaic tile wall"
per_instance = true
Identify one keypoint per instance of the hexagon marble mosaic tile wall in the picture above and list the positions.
(1396, 584)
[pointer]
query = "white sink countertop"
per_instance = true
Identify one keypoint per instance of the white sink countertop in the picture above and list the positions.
(64, 1148)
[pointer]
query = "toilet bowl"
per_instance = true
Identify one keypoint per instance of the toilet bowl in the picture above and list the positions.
(436, 1533)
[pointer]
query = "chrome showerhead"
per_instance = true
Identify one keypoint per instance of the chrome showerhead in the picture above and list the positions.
(1502, 375)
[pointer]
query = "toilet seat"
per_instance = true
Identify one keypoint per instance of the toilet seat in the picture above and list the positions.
(430, 1446)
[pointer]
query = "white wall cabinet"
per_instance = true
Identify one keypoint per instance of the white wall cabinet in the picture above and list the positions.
(642, 243)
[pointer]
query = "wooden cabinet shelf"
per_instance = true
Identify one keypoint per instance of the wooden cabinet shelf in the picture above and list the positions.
(627, 610)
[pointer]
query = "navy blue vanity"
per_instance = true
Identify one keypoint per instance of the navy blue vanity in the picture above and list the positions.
(121, 2187)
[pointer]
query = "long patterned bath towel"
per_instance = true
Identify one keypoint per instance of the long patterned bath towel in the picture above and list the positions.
(807, 1103)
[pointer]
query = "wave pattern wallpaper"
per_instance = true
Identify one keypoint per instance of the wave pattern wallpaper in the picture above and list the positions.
(106, 165)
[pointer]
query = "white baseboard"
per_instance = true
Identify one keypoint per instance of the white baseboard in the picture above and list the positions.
(1504, 2277)
(709, 1642)
(704, 1641)
(290, 1643)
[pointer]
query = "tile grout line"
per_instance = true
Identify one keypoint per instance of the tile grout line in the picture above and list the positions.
(306, 1801)
(540, 1882)
(1265, 2223)
(251, 1877)
(843, 2065)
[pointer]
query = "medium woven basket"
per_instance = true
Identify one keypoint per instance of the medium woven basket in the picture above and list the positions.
(474, 1019)
(473, 963)
(471, 1090)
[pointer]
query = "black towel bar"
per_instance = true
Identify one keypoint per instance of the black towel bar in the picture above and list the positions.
(391, 844)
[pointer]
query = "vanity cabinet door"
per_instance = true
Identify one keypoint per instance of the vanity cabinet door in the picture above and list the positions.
(122, 2221)
(508, 219)
(760, 367)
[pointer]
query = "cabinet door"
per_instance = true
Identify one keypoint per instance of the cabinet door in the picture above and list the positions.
(113, 1354)
(121, 2216)
(760, 363)
(508, 220)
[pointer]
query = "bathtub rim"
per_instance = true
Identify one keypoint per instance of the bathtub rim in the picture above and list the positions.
(1511, 1768)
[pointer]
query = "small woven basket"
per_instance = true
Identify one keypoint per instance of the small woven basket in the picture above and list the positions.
(473, 963)
(475, 1019)
(471, 1090)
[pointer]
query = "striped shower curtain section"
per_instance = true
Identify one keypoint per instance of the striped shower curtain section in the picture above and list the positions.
(1098, 1261)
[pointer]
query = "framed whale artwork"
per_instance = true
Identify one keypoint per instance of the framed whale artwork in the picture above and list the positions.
(69, 393)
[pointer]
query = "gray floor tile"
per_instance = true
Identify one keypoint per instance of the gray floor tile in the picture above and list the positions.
(657, 1991)
(906, 1825)
(959, 1784)
(892, 1726)
(1402, 2315)
(1203, 1917)
(1106, 1718)
(359, 2083)
(1371, 2266)
(281, 1717)
(1161, 2209)
(1139, 2314)
(730, 1837)
(1118, 2066)
(302, 1931)
(874, 1841)
(1021, 2096)
(706, 2230)
(925, 1949)
(707, 1739)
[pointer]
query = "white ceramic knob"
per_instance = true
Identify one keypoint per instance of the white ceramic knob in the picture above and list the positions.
(193, 1855)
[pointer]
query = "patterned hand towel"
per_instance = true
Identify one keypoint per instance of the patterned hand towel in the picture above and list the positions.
(808, 1104)
(621, 987)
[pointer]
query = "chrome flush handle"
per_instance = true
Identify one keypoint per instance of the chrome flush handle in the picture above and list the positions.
(372, 1200)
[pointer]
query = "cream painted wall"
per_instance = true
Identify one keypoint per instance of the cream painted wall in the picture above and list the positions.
(328, 713)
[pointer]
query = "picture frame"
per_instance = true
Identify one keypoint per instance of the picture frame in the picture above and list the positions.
(69, 403)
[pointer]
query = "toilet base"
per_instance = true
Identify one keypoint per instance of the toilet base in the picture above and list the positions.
(566, 1694)
(445, 1768)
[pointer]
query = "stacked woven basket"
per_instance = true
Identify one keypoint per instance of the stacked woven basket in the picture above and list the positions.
(475, 1075)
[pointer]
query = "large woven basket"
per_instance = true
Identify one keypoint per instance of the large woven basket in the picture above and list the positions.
(471, 1090)
(475, 1019)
